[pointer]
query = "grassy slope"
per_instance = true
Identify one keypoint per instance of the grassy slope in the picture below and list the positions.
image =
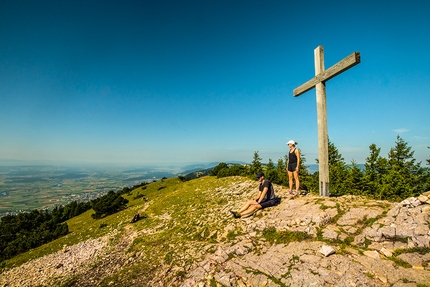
(183, 223)
(178, 218)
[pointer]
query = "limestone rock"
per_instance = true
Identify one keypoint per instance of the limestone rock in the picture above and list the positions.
(416, 202)
(308, 258)
(386, 252)
(411, 258)
(425, 209)
(373, 254)
(327, 250)
(423, 198)
(388, 232)
(330, 233)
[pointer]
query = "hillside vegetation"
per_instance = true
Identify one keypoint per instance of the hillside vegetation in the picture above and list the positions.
(186, 237)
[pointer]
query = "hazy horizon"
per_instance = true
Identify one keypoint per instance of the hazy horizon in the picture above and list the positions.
(173, 82)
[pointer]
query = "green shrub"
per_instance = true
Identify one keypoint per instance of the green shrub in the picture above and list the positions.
(108, 204)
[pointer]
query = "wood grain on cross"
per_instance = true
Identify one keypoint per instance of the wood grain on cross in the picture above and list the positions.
(321, 76)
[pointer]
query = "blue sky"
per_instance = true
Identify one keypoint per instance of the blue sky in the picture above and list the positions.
(200, 81)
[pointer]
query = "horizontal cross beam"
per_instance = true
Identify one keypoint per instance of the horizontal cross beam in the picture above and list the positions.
(331, 72)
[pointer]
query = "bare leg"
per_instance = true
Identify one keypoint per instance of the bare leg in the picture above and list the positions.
(247, 205)
(290, 180)
(250, 210)
(296, 178)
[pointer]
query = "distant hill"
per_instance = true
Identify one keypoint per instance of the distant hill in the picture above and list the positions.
(198, 166)
(314, 167)
(205, 166)
(198, 173)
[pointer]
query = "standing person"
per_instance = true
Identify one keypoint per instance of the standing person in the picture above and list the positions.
(293, 167)
(264, 198)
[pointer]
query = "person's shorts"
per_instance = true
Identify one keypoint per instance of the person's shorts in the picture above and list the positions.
(268, 203)
(292, 166)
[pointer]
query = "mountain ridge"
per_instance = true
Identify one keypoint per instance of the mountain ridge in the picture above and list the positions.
(186, 237)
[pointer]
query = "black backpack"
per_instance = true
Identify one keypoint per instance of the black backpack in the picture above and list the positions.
(277, 200)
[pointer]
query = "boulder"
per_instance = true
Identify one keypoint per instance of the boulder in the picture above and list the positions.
(327, 250)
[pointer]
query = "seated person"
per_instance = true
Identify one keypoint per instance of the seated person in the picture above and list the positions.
(265, 198)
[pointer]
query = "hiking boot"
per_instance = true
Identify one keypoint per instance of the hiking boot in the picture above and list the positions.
(235, 214)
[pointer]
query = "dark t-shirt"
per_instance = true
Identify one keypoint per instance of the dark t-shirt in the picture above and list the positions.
(270, 192)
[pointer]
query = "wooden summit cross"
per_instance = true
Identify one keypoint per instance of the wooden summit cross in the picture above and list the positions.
(321, 76)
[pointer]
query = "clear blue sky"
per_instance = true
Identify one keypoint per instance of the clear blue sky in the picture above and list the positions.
(202, 81)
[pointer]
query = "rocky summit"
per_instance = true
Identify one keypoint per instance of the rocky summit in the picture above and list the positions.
(185, 236)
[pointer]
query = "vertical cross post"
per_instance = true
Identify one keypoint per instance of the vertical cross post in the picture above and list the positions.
(322, 125)
(321, 76)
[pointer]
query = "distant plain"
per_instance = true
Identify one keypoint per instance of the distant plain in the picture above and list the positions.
(24, 188)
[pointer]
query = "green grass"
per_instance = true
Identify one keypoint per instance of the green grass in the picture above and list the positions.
(400, 262)
(324, 207)
(232, 234)
(420, 250)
